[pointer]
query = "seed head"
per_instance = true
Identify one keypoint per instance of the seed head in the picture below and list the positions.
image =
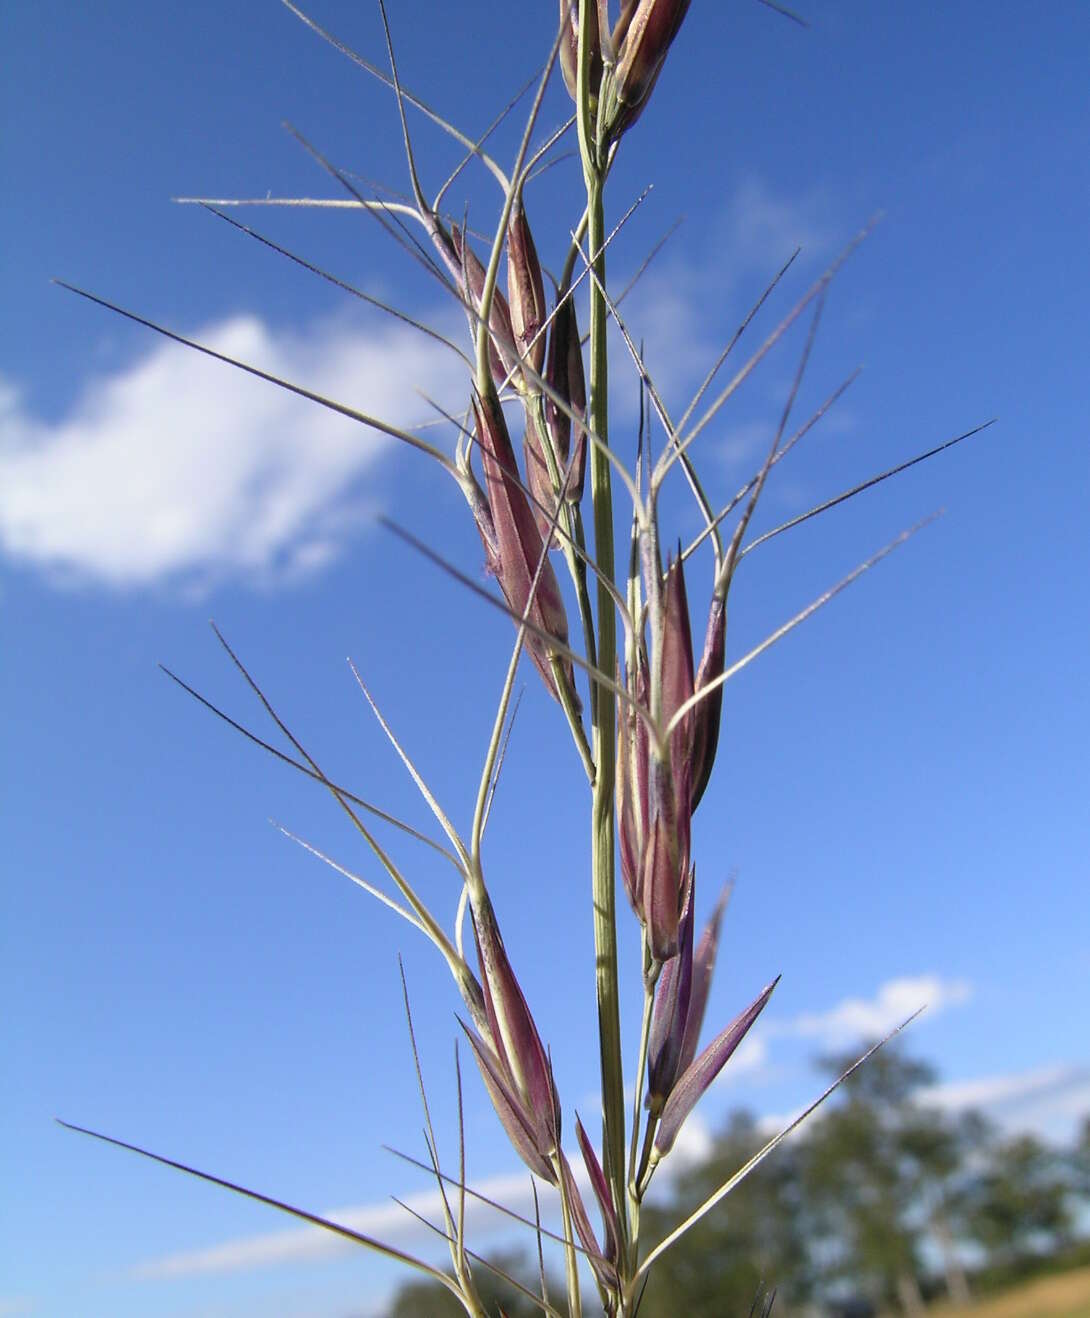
(603, 1262)
(700, 1074)
(566, 379)
(669, 1016)
(633, 756)
(707, 714)
(512, 1059)
(569, 49)
(514, 548)
(641, 38)
(501, 346)
(670, 776)
(681, 998)
(526, 292)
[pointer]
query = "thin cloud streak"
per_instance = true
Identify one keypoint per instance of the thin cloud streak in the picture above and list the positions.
(1046, 1102)
(850, 1021)
(384, 1221)
(390, 1223)
(698, 274)
(870, 1018)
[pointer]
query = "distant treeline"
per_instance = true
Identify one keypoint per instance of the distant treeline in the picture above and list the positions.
(879, 1204)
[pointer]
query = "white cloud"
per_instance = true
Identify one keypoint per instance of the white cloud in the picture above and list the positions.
(988, 1091)
(179, 469)
(1048, 1101)
(760, 230)
(693, 1145)
(385, 1221)
(746, 443)
(854, 1019)
(747, 1061)
(677, 309)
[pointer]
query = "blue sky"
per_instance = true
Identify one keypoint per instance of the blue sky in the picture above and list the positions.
(901, 784)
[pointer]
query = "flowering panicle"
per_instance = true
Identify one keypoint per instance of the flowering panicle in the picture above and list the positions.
(657, 793)
(708, 712)
(512, 1059)
(514, 548)
(569, 47)
(641, 40)
(699, 1074)
(625, 62)
(669, 700)
(681, 999)
(501, 336)
(566, 379)
(549, 423)
(669, 779)
(602, 1259)
(526, 292)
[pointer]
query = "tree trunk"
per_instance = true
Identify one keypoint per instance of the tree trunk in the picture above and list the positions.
(957, 1283)
(908, 1292)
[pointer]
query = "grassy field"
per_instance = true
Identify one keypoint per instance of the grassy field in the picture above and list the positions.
(1066, 1295)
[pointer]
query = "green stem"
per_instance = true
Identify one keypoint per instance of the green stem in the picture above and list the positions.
(566, 695)
(602, 708)
(645, 1034)
(571, 1262)
(644, 1173)
(603, 718)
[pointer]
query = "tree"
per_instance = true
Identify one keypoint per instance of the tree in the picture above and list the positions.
(1080, 1160)
(864, 1175)
(939, 1149)
(1017, 1206)
(756, 1239)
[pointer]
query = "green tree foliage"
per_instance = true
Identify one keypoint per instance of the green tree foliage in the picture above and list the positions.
(1080, 1161)
(865, 1178)
(1018, 1206)
(758, 1237)
(853, 1207)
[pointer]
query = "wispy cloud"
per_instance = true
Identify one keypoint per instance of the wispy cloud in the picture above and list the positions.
(179, 469)
(701, 285)
(1048, 1100)
(385, 1221)
(390, 1223)
(749, 1061)
(854, 1019)
(759, 228)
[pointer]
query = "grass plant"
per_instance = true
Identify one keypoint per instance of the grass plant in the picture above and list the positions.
(603, 598)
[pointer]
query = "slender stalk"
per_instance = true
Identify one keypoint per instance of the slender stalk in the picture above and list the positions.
(571, 1261)
(637, 1094)
(602, 710)
(644, 1171)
